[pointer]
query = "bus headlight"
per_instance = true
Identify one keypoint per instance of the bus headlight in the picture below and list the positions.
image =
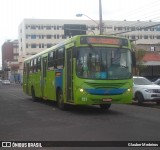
(81, 90)
(129, 90)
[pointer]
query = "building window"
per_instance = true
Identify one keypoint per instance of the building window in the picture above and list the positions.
(33, 27)
(151, 37)
(27, 45)
(15, 58)
(158, 29)
(48, 27)
(92, 28)
(40, 46)
(49, 45)
(133, 37)
(133, 29)
(119, 28)
(33, 36)
(146, 37)
(145, 29)
(158, 37)
(33, 45)
(49, 36)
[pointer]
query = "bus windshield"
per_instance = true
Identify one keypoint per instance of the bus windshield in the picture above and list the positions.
(103, 63)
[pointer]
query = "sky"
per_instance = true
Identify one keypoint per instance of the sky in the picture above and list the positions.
(12, 12)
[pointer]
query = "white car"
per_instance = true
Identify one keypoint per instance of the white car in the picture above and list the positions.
(144, 90)
(7, 82)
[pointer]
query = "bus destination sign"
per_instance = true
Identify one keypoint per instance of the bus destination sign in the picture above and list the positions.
(103, 40)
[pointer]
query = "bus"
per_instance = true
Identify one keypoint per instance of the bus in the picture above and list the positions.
(82, 70)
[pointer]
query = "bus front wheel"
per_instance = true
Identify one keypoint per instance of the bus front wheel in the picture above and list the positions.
(105, 106)
(60, 101)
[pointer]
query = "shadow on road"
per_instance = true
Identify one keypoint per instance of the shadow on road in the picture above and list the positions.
(80, 109)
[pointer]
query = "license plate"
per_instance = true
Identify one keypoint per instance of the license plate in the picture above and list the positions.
(107, 100)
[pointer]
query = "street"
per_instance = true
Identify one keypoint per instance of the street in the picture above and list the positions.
(25, 120)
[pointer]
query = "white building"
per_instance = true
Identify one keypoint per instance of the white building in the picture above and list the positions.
(36, 35)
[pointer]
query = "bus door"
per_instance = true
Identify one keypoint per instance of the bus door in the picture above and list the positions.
(27, 78)
(43, 77)
(69, 75)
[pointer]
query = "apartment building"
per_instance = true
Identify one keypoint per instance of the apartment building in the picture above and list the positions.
(35, 35)
(10, 65)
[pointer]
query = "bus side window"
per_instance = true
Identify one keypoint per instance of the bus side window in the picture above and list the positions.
(50, 61)
(39, 64)
(60, 58)
(31, 66)
(35, 65)
(54, 60)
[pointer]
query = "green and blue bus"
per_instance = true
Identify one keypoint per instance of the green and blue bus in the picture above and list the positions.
(82, 70)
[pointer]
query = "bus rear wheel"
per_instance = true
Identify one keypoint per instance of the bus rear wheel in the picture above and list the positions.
(60, 100)
(105, 106)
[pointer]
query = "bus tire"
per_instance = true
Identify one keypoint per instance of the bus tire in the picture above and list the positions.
(60, 100)
(105, 106)
(34, 98)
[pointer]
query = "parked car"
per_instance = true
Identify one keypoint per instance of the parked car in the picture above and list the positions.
(157, 81)
(145, 91)
(7, 82)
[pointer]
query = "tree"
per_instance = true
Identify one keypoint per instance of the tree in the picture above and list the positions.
(139, 53)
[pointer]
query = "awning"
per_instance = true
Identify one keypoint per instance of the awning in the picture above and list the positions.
(151, 63)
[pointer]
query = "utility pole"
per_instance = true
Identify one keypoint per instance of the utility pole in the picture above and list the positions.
(100, 18)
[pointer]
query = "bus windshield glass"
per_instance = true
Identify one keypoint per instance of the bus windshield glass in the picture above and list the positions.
(103, 63)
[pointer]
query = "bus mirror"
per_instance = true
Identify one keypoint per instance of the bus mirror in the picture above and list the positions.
(133, 59)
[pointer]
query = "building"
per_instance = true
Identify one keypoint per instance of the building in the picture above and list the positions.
(10, 64)
(35, 35)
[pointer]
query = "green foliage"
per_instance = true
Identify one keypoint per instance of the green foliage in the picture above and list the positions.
(139, 53)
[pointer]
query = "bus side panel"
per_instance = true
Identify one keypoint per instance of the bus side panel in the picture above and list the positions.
(37, 84)
(50, 85)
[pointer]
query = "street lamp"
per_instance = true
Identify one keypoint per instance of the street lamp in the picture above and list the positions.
(100, 18)
(80, 15)
(100, 25)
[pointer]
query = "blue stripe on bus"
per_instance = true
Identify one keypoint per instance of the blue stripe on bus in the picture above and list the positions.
(58, 78)
(106, 91)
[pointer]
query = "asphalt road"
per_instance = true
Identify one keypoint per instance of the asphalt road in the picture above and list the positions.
(21, 119)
